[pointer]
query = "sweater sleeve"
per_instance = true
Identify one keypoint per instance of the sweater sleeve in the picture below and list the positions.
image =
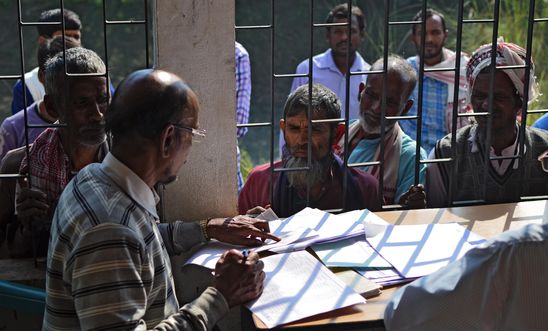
(111, 278)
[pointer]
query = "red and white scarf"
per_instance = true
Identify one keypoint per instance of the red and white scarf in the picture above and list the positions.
(50, 167)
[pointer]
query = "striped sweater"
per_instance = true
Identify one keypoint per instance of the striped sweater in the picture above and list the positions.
(108, 260)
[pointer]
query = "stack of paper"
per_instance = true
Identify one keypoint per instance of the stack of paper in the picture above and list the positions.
(297, 286)
(209, 253)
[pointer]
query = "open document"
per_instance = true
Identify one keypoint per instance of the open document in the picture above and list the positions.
(298, 286)
(419, 250)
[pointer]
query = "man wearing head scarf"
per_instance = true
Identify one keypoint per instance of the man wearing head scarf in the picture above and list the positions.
(506, 178)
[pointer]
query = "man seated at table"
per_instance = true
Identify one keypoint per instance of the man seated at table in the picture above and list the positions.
(497, 286)
(58, 153)
(326, 173)
(365, 134)
(108, 263)
(505, 180)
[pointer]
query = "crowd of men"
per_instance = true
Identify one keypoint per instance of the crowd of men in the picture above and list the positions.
(86, 195)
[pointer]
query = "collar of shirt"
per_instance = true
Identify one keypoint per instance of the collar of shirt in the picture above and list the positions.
(131, 184)
(326, 62)
(513, 149)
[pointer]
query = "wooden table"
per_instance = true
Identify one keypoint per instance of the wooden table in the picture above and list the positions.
(487, 221)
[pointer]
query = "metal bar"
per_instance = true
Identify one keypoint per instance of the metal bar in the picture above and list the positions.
(347, 103)
(524, 104)
(272, 80)
(453, 179)
(125, 22)
(289, 75)
(481, 20)
(249, 125)
(106, 45)
(418, 139)
(253, 27)
(326, 25)
(492, 68)
(12, 76)
(147, 54)
(363, 164)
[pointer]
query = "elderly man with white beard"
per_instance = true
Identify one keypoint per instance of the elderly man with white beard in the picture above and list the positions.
(326, 174)
(399, 148)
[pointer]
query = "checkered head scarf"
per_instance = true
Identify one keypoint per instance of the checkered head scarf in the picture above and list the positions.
(508, 54)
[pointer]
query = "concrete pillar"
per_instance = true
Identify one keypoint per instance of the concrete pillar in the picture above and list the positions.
(195, 39)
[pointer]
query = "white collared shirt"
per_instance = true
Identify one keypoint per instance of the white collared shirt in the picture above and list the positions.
(131, 184)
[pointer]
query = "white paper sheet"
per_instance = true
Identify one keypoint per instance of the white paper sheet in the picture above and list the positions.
(329, 226)
(298, 286)
(419, 250)
(353, 252)
(208, 255)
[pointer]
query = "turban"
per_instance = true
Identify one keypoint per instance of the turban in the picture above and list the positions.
(508, 54)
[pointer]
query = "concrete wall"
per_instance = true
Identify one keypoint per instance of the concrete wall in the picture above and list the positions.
(195, 39)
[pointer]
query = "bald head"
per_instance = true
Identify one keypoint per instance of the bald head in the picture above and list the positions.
(399, 67)
(148, 100)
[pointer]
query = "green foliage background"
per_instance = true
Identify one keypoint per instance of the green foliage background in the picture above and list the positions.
(292, 20)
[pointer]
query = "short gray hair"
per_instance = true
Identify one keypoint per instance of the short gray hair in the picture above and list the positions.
(79, 60)
(398, 65)
(323, 100)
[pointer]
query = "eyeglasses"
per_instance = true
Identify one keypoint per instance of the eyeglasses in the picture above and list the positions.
(543, 158)
(197, 134)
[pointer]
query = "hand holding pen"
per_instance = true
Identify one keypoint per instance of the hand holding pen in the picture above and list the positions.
(239, 276)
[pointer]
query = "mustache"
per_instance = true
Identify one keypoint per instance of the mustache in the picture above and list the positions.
(93, 126)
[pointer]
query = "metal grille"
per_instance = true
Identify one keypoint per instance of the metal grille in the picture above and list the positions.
(270, 27)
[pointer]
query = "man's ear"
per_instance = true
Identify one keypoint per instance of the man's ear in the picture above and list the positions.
(51, 108)
(407, 106)
(168, 141)
(41, 76)
(361, 88)
(42, 40)
(282, 124)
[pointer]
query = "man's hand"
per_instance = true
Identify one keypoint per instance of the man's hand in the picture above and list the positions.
(30, 204)
(239, 278)
(240, 230)
(415, 198)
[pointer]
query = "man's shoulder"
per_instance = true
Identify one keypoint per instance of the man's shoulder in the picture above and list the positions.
(318, 61)
(263, 170)
(540, 135)
(12, 160)
(409, 147)
(364, 178)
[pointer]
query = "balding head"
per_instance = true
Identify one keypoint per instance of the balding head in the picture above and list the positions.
(148, 100)
(399, 67)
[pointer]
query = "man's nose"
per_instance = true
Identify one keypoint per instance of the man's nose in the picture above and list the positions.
(96, 112)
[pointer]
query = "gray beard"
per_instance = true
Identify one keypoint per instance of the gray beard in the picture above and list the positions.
(375, 129)
(299, 179)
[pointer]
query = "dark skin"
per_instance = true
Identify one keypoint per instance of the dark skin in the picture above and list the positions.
(337, 38)
(435, 37)
(159, 160)
(82, 110)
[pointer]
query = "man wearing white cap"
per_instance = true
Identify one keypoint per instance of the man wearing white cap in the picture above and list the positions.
(505, 180)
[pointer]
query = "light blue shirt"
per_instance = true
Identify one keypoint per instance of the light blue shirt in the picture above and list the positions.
(541, 123)
(365, 151)
(325, 72)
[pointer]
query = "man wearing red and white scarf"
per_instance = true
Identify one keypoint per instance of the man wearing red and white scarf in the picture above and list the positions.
(438, 86)
(59, 153)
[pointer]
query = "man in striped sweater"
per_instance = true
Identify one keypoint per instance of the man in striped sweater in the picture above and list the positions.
(108, 260)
